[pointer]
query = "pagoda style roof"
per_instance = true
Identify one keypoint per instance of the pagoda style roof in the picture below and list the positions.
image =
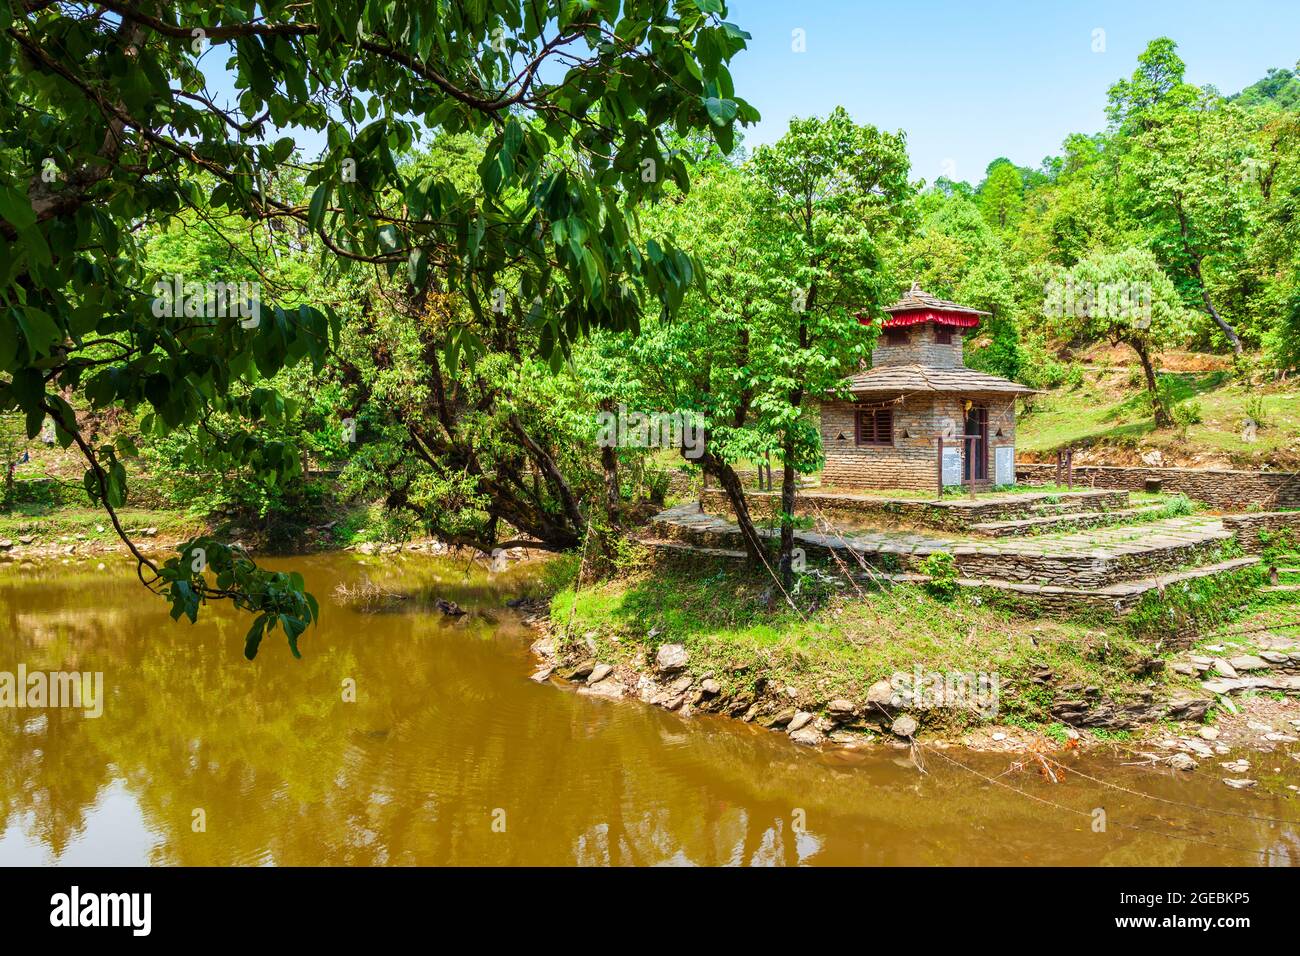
(916, 299)
(917, 306)
(926, 378)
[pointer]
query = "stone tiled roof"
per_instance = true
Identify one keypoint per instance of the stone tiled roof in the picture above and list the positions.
(925, 378)
(915, 298)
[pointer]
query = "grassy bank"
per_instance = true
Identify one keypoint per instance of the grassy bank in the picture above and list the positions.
(842, 639)
(92, 524)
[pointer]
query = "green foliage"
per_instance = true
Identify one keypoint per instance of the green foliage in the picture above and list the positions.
(956, 254)
(942, 570)
(1187, 413)
(110, 138)
(1194, 605)
(279, 599)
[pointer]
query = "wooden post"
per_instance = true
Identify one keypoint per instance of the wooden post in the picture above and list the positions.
(1069, 468)
(970, 460)
(939, 473)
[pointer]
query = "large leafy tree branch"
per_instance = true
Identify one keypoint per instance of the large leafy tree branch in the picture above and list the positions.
(109, 127)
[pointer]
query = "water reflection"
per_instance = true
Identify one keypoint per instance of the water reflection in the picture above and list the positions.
(447, 737)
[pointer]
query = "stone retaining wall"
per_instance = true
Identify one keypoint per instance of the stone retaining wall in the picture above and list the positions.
(1084, 570)
(956, 515)
(1248, 526)
(1219, 488)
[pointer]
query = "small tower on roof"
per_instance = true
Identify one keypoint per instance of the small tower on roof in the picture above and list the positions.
(921, 329)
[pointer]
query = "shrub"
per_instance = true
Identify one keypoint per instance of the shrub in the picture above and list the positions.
(942, 570)
(1255, 411)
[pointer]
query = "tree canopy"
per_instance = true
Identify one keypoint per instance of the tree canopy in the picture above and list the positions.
(109, 128)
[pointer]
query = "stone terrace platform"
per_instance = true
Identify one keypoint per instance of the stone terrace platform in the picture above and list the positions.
(1101, 567)
(997, 514)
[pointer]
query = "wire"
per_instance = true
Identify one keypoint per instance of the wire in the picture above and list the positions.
(1176, 803)
(1266, 854)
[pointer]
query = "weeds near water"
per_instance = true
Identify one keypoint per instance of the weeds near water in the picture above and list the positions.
(367, 597)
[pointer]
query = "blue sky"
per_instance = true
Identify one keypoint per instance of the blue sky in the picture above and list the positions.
(971, 81)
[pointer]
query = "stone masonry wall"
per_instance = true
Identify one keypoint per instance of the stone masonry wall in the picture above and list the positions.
(921, 348)
(956, 515)
(1248, 526)
(911, 462)
(1219, 488)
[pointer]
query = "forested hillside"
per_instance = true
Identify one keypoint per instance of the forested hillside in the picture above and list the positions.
(1166, 243)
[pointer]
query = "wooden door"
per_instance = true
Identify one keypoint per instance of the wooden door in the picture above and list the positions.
(977, 425)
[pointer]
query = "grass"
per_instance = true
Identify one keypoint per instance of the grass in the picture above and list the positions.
(1108, 410)
(842, 640)
(48, 525)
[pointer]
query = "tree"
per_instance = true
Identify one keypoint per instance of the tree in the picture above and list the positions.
(830, 190)
(1001, 195)
(1122, 298)
(956, 254)
(704, 364)
(108, 124)
(1183, 173)
(1156, 86)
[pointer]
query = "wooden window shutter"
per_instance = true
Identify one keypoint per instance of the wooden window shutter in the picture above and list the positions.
(884, 426)
(875, 426)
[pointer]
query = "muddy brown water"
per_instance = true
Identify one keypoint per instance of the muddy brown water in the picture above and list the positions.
(450, 755)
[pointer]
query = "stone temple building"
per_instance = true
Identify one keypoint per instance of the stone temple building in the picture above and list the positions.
(918, 391)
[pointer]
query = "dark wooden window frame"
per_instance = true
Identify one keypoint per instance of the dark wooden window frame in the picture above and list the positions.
(896, 336)
(874, 427)
(943, 334)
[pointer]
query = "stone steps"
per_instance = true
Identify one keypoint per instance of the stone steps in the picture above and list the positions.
(1092, 560)
(1121, 597)
(1061, 520)
(1118, 597)
(1084, 560)
(683, 548)
(1058, 507)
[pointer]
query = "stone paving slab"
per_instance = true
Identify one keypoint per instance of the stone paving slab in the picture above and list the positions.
(1096, 542)
(1087, 559)
(1119, 597)
(1065, 519)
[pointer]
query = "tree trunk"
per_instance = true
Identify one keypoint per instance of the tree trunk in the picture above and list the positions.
(735, 492)
(787, 454)
(609, 465)
(1153, 388)
(1195, 268)
(787, 513)
(1228, 330)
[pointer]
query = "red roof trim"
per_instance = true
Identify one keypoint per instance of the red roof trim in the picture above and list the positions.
(962, 320)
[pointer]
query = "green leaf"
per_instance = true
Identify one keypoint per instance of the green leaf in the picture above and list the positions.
(721, 111)
(15, 207)
(316, 209)
(39, 329)
(253, 640)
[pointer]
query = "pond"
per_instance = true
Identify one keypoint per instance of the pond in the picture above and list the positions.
(409, 738)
